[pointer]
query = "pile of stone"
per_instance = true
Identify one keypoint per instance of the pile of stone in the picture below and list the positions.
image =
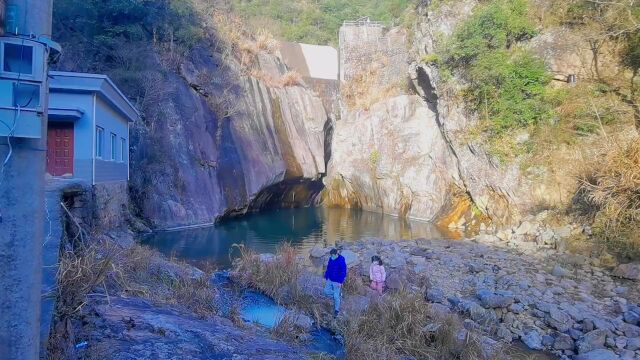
(549, 300)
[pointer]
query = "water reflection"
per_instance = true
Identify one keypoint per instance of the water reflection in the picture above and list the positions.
(303, 228)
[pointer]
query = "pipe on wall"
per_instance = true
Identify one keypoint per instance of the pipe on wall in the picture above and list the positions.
(2, 8)
(28, 17)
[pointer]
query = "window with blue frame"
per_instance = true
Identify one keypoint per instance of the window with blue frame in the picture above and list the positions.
(99, 142)
(124, 150)
(114, 144)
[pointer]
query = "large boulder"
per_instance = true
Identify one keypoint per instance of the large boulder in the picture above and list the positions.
(563, 342)
(559, 320)
(526, 228)
(633, 344)
(184, 336)
(300, 320)
(600, 354)
(559, 271)
(628, 271)
(318, 251)
(591, 341)
(533, 340)
(491, 300)
(395, 281)
(397, 260)
(631, 317)
(435, 295)
(400, 162)
(200, 162)
(350, 257)
(629, 330)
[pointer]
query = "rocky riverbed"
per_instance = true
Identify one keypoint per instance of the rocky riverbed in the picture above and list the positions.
(517, 286)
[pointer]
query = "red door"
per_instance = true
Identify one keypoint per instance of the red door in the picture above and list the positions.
(60, 149)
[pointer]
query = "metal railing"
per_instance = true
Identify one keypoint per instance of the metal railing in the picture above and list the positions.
(363, 21)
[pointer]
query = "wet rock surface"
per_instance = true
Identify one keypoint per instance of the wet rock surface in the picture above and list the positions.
(132, 328)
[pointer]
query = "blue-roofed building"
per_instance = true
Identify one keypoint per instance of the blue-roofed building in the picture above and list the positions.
(88, 130)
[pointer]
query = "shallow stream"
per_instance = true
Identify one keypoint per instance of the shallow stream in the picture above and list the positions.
(258, 309)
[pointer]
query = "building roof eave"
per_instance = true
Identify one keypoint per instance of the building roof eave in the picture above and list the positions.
(65, 113)
(94, 83)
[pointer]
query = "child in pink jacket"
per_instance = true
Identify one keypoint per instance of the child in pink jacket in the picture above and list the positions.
(377, 274)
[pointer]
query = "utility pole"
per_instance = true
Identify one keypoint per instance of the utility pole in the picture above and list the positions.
(26, 46)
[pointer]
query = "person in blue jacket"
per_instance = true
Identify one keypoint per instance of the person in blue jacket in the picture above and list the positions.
(335, 275)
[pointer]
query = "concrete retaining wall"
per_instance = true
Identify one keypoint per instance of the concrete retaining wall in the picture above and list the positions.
(98, 208)
(110, 205)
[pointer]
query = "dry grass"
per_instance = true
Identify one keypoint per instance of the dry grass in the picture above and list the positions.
(279, 278)
(287, 329)
(291, 78)
(265, 78)
(610, 194)
(229, 28)
(322, 356)
(269, 276)
(266, 42)
(141, 271)
(243, 44)
(353, 284)
(397, 327)
(104, 269)
(79, 272)
(235, 314)
(365, 89)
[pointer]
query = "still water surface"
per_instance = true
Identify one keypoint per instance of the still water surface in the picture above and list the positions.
(303, 228)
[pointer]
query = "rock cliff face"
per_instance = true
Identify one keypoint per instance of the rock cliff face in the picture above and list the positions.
(499, 190)
(408, 154)
(504, 191)
(392, 159)
(220, 139)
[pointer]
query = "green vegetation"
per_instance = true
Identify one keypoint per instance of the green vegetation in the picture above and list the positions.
(510, 89)
(507, 86)
(496, 25)
(316, 22)
(104, 27)
(374, 158)
(121, 37)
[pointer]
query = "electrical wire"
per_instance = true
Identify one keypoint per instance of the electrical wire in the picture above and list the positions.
(46, 209)
(9, 136)
(16, 117)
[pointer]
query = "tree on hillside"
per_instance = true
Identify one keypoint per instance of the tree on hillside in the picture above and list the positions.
(631, 60)
(611, 24)
(316, 21)
(506, 85)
